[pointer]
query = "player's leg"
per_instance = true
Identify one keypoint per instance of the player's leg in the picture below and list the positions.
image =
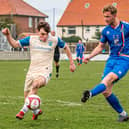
(115, 104)
(77, 57)
(100, 87)
(25, 109)
(117, 73)
(37, 83)
(112, 99)
(120, 69)
(57, 68)
(56, 59)
(81, 58)
(107, 82)
(31, 87)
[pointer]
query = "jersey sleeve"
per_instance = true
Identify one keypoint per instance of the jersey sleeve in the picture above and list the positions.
(24, 42)
(60, 43)
(103, 38)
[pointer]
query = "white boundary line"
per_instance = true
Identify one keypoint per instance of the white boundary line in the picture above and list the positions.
(48, 102)
(67, 103)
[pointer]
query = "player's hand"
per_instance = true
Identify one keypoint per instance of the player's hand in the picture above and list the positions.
(86, 60)
(6, 31)
(72, 67)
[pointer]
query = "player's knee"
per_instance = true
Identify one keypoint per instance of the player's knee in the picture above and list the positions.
(107, 92)
(35, 85)
(109, 79)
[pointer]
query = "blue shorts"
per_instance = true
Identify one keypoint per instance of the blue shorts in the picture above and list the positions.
(79, 55)
(118, 66)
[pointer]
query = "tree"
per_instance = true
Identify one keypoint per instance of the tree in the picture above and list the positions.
(97, 35)
(71, 39)
(5, 22)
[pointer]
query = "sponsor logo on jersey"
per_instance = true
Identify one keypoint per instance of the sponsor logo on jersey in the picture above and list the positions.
(50, 43)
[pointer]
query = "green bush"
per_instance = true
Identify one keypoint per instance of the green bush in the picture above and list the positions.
(5, 22)
(71, 39)
(97, 35)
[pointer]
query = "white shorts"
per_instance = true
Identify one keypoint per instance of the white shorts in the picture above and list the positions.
(31, 77)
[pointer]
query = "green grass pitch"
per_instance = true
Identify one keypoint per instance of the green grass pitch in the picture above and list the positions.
(60, 99)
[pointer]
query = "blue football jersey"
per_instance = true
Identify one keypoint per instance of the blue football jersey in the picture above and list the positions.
(125, 36)
(116, 37)
(80, 48)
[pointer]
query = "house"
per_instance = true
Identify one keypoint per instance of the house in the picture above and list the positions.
(84, 17)
(22, 14)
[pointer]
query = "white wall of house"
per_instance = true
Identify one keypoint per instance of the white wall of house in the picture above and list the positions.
(88, 31)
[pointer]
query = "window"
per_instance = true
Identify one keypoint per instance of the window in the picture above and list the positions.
(36, 22)
(71, 30)
(30, 22)
(97, 29)
(87, 5)
(87, 29)
(114, 4)
(63, 30)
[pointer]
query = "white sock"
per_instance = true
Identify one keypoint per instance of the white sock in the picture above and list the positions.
(123, 113)
(90, 95)
(36, 111)
(25, 108)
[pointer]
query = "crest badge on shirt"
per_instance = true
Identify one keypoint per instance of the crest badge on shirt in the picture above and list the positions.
(116, 39)
(108, 32)
(50, 43)
(120, 72)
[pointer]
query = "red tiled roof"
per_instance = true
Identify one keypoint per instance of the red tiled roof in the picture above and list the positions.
(18, 7)
(76, 12)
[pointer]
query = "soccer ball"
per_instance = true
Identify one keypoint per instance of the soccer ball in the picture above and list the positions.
(33, 102)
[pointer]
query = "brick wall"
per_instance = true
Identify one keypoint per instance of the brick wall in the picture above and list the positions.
(22, 24)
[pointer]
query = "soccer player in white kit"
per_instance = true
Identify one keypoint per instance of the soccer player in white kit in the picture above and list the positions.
(42, 48)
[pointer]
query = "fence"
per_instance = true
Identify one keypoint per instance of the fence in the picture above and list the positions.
(89, 47)
(4, 45)
(14, 55)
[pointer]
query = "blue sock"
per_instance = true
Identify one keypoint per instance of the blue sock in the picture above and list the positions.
(80, 61)
(98, 89)
(114, 102)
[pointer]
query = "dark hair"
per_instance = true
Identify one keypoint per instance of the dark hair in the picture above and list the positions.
(110, 8)
(44, 25)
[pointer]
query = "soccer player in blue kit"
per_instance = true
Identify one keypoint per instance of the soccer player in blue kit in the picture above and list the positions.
(80, 51)
(116, 34)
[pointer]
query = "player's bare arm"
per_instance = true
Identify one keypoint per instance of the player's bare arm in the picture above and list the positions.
(95, 52)
(10, 39)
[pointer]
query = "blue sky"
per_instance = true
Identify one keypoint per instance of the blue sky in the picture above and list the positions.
(48, 7)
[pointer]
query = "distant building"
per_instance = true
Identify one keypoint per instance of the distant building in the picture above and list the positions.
(22, 14)
(84, 17)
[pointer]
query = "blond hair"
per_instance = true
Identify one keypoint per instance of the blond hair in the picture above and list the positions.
(110, 8)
